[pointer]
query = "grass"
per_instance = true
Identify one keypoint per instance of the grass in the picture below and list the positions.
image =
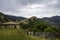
(12, 34)
(17, 34)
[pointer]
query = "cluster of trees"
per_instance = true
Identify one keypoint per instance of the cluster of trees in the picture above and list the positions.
(37, 25)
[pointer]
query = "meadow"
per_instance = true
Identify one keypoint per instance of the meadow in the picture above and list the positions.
(17, 34)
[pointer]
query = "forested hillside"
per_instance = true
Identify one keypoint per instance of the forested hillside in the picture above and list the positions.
(54, 21)
(4, 18)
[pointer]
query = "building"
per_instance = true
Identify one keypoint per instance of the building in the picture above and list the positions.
(9, 25)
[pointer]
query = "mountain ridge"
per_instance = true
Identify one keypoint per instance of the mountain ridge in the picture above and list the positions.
(55, 20)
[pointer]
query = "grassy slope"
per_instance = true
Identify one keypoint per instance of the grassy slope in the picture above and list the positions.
(13, 34)
(16, 34)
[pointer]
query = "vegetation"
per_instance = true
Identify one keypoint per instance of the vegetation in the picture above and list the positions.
(32, 24)
(3, 18)
(13, 34)
(37, 25)
(17, 34)
(51, 29)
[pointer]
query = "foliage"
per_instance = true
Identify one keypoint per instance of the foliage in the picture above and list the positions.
(51, 29)
(38, 25)
(24, 26)
(3, 18)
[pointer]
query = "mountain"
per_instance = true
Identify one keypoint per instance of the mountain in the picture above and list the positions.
(54, 21)
(14, 18)
(4, 18)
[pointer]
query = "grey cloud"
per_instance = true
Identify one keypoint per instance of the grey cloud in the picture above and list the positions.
(8, 5)
(12, 6)
(29, 2)
(55, 5)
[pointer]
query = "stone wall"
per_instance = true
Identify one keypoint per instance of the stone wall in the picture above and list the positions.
(42, 34)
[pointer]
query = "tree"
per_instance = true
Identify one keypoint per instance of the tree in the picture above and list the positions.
(4, 18)
(51, 29)
(24, 26)
(39, 26)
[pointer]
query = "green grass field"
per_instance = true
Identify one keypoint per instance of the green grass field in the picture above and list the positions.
(17, 34)
(12, 34)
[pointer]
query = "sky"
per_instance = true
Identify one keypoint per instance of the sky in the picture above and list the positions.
(28, 8)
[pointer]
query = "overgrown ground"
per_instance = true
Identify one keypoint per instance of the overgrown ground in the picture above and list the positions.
(17, 34)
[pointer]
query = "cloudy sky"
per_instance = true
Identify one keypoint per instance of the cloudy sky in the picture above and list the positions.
(28, 8)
